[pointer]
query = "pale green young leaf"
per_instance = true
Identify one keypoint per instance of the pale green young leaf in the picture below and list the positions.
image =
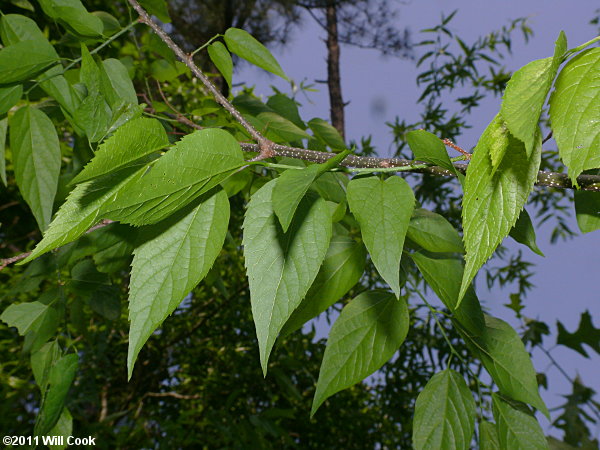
(36, 160)
(383, 210)
(283, 127)
(488, 436)
(524, 233)
(517, 427)
(60, 378)
(433, 232)
(9, 96)
(444, 413)
(493, 200)
(221, 58)
(324, 131)
(131, 142)
(42, 361)
(25, 59)
(26, 316)
(196, 164)
(443, 274)
(83, 208)
(291, 187)
(3, 128)
(574, 112)
(174, 256)
(286, 107)
(368, 332)
(587, 210)
(73, 15)
(503, 354)
(245, 46)
(526, 93)
(429, 148)
(281, 266)
(342, 268)
(119, 81)
(16, 28)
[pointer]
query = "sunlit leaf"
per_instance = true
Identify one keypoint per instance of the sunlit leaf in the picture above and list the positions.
(429, 148)
(517, 427)
(488, 436)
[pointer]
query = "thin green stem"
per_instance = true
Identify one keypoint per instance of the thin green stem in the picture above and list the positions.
(205, 45)
(568, 53)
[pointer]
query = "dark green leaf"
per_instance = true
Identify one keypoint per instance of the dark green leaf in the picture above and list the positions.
(434, 233)
(57, 86)
(119, 81)
(174, 257)
(383, 210)
(574, 111)
(494, 199)
(444, 413)
(281, 266)
(324, 131)
(16, 28)
(342, 267)
(196, 164)
(73, 15)
(9, 96)
(587, 210)
(286, 107)
(60, 379)
(368, 332)
(245, 46)
(517, 427)
(429, 148)
(42, 361)
(586, 334)
(130, 143)
(36, 159)
(289, 191)
(25, 317)
(157, 8)
(283, 127)
(93, 115)
(526, 93)
(24, 60)
(524, 233)
(3, 128)
(222, 60)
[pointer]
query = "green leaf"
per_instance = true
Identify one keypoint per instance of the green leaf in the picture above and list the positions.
(196, 164)
(524, 233)
(73, 16)
(174, 257)
(434, 233)
(3, 128)
(25, 59)
(83, 208)
(494, 199)
(574, 112)
(324, 131)
(64, 428)
(24, 4)
(9, 96)
(93, 115)
(331, 186)
(526, 93)
(291, 187)
(281, 266)
(342, 268)
(587, 210)
(283, 127)
(36, 159)
(383, 210)
(443, 274)
(119, 81)
(429, 148)
(586, 334)
(56, 85)
(60, 379)
(368, 332)
(16, 28)
(130, 143)
(517, 427)
(444, 413)
(222, 60)
(25, 317)
(286, 107)
(106, 302)
(157, 8)
(488, 436)
(245, 46)
(42, 361)
(503, 354)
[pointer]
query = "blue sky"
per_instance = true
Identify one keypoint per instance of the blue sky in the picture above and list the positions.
(565, 279)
